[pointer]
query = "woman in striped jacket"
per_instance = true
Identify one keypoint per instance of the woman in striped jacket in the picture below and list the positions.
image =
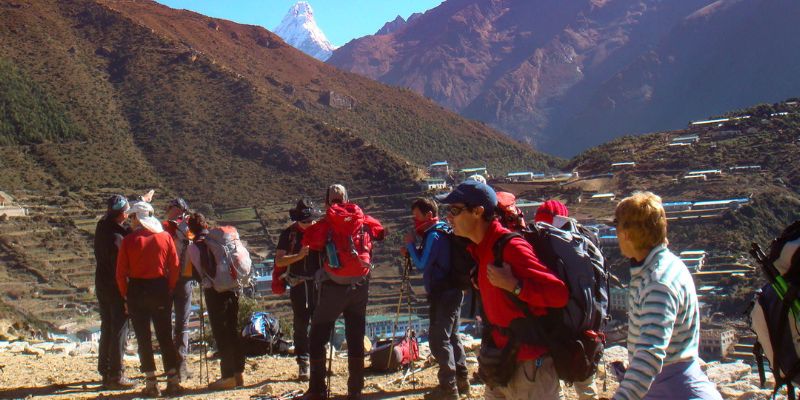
(664, 318)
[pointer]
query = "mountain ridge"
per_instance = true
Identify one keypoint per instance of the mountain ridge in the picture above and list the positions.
(582, 72)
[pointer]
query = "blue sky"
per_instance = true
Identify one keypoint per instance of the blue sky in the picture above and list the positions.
(341, 20)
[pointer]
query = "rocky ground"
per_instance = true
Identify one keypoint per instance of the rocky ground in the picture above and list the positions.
(67, 371)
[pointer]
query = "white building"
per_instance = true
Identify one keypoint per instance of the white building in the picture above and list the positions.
(623, 164)
(434, 184)
(717, 342)
(618, 299)
(603, 197)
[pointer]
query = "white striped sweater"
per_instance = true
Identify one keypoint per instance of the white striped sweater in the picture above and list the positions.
(664, 321)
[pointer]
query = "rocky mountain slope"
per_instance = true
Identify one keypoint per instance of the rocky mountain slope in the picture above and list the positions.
(567, 76)
(133, 94)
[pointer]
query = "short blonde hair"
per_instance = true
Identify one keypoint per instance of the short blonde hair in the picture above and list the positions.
(642, 216)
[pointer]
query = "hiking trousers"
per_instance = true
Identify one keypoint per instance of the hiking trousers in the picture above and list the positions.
(532, 380)
(223, 313)
(181, 303)
(335, 300)
(113, 331)
(303, 297)
(445, 344)
(149, 301)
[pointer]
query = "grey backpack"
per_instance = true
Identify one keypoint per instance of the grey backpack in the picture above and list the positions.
(573, 334)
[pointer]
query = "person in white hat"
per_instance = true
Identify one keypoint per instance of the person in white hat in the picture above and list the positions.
(147, 272)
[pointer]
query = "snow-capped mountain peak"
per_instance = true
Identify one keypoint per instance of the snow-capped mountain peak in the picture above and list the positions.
(299, 29)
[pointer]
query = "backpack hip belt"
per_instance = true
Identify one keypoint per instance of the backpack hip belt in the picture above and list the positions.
(294, 280)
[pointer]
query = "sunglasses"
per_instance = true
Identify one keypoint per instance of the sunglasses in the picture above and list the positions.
(455, 210)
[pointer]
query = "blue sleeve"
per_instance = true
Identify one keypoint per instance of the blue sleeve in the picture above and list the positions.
(430, 251)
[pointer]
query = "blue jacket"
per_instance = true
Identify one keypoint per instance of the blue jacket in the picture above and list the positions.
(433, 257)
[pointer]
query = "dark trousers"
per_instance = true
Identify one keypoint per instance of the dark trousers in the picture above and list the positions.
(149, 301)
(445, 344)
(223, 313)
(303, 297)
(113, 331)
(181, 302)
(335, 300)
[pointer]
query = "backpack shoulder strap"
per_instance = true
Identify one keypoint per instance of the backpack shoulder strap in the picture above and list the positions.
(497, 249)
(205, 258)
(500, 245)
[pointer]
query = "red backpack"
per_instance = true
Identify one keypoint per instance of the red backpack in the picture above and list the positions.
(348, 246)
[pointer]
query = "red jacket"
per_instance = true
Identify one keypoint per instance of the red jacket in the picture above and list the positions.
(540, 287)
(316, 236)
(147, 255)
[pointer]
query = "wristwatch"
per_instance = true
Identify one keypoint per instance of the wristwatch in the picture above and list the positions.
(517, 289)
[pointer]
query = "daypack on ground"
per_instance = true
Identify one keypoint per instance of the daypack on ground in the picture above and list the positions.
(573, 334)
(772, 317)
(385, 357)
(262, 335)
(348, 245)
(226, 263)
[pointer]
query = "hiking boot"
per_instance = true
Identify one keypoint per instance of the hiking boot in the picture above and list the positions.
(442, 393)
(183, 373)
(239, 379)
(462, 383)
(122, 383)
(304, 373)
(173, 389)
(151, 389)
(313, 396)
(223, 384)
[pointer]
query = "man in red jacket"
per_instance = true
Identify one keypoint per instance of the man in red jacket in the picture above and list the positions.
(471, 214)
(147, 272)
(345, 237)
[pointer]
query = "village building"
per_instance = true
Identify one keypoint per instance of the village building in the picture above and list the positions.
(382, 327)
(602, 197)
(467, 172)
(523, 176)
(623, 164)
(717, 342)
(439, 169)
(618, 300)
(686, 139)
(433, 184)
(9, 208)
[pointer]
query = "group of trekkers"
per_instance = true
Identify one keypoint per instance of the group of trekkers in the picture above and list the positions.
(481, 247)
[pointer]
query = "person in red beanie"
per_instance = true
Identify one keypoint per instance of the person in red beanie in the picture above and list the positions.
(548, 212)
(510, 216)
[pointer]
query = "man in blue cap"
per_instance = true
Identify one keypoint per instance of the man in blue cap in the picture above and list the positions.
(113, 317)
(528, 372)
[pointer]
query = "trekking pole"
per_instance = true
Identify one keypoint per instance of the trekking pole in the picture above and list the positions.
(774, 277)
(404, 277)
(203, 340)
(330, 363)
(410, 329)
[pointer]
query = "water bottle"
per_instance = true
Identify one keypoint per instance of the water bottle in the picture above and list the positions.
(330, 251)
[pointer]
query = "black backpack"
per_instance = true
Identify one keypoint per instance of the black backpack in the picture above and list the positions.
(775, 310)
(462, 265)
(573, 334)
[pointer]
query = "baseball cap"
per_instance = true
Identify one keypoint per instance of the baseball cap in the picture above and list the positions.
(117, 203)
(473, 194)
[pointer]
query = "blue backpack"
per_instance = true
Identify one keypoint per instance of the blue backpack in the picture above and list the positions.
(262, 335)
